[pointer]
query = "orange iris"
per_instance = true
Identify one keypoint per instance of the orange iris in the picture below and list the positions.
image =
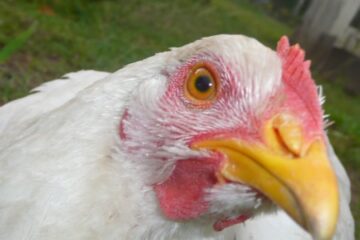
(201, 86)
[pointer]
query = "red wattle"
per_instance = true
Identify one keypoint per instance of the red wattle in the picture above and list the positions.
(181, 196)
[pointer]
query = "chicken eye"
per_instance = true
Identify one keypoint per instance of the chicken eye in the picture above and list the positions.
(201, 85)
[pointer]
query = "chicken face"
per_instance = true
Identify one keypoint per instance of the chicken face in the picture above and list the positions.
(232, 128)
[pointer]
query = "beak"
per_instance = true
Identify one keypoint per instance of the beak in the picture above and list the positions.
(293, 173)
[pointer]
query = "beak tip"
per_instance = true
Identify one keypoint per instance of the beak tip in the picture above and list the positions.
(323, 233)
(322, 227)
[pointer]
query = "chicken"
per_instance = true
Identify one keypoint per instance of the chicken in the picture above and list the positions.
(222, 138)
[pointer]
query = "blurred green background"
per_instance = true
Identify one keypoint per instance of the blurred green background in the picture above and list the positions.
(42, 40)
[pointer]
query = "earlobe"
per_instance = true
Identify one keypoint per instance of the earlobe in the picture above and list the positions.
(124, 118)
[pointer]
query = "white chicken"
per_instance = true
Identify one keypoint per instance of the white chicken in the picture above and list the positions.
(220, 139)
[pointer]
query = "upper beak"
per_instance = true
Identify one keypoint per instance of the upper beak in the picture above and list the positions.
(293, 173)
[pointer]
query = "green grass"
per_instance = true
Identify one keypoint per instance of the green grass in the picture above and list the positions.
(105, 35)
(14, 45)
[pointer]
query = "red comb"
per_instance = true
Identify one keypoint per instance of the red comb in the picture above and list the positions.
(296, 75)
(295, 69)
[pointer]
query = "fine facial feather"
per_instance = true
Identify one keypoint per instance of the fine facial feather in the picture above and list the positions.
(82, 185)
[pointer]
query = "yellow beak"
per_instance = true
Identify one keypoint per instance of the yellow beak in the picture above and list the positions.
(296, 176)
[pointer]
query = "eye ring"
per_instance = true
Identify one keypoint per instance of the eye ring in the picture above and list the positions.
(201, 86)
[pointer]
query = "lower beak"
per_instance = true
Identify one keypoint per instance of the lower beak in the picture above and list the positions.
(298, 179)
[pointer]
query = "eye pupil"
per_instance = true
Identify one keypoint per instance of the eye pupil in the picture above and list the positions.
(203, 83)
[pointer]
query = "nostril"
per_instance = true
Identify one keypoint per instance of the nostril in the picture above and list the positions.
(286, 147)
(285, 135)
